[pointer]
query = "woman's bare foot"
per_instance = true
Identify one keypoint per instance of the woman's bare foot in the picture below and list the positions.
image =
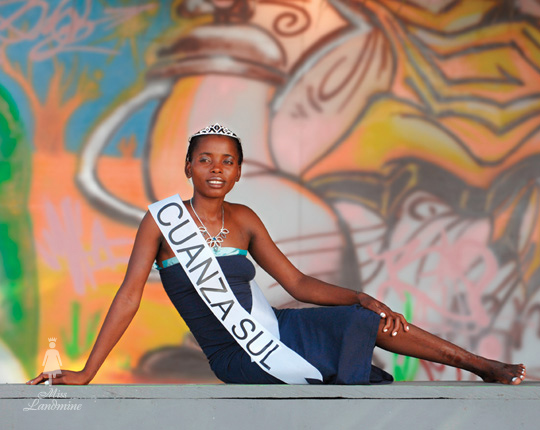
(495, 371)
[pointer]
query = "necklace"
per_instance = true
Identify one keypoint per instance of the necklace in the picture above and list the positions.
(212, 241)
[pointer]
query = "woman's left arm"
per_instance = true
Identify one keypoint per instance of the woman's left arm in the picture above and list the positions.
(306, 288)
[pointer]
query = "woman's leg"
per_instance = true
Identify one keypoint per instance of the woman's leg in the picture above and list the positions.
(426, 346)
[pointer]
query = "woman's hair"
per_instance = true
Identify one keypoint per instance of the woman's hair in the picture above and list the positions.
(194, 141)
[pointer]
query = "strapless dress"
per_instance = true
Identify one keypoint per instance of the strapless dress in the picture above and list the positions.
(337, 340)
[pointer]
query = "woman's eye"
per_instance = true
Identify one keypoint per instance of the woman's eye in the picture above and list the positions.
(228, 162)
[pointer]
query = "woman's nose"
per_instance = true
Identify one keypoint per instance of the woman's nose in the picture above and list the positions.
(216, 168)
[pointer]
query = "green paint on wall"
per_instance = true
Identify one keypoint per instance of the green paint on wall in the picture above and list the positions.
(405, 368)
(75, 347)
(19, 294)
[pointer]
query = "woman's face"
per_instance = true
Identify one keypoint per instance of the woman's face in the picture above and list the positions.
(214, 166)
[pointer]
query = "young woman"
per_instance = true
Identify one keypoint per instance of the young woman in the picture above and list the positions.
(337, 338)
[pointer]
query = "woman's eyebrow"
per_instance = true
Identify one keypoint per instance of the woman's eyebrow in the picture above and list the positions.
(212, 154)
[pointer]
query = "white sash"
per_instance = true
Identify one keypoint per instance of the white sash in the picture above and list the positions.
(204, 272)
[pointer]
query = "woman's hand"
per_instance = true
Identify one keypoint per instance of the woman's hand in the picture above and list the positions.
(393, 321)
(67, 377)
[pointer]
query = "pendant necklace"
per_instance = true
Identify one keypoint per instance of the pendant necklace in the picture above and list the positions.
(212, 241)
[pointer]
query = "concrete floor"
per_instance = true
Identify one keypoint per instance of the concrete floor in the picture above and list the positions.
(401, 405)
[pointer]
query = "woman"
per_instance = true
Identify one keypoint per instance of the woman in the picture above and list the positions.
(338, 339)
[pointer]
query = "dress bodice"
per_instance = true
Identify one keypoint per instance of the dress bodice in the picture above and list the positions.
(238, 271)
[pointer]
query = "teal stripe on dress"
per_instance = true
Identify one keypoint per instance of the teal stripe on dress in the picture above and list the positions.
(221, 252)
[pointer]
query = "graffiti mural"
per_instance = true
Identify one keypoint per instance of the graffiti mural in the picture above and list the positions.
(403, 136)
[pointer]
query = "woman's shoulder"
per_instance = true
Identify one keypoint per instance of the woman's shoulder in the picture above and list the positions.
(243, 213)
(148, 226)
(147, 219)
(237, 208)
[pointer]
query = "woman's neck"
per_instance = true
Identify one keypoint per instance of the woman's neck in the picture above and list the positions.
(208, 209)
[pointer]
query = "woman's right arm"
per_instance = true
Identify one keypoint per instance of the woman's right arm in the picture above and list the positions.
(123, 308)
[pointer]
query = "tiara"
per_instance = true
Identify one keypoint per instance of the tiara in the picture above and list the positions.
(52, 339)
(215, 129)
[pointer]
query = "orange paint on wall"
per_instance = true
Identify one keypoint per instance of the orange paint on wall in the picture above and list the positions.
(123, 178)
(157, 322)
(169, 141)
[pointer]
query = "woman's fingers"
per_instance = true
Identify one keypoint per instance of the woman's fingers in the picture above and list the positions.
(64, 377)
(404, 322)
(387, 324)
(394, 323)
(37, 380)
(400, 322)
(42, 378)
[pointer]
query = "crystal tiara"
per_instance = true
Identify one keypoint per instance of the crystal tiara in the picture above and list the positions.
(215, 129)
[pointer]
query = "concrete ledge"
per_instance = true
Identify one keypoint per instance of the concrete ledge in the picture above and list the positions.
(418, 405)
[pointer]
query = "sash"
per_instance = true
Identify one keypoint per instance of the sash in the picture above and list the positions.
(204, 272)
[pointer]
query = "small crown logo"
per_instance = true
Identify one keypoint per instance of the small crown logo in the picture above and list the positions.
(52, 339)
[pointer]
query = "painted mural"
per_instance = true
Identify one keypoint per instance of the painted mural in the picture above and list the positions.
(403, 136)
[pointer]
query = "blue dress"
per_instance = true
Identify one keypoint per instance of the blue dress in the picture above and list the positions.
(337, 340)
